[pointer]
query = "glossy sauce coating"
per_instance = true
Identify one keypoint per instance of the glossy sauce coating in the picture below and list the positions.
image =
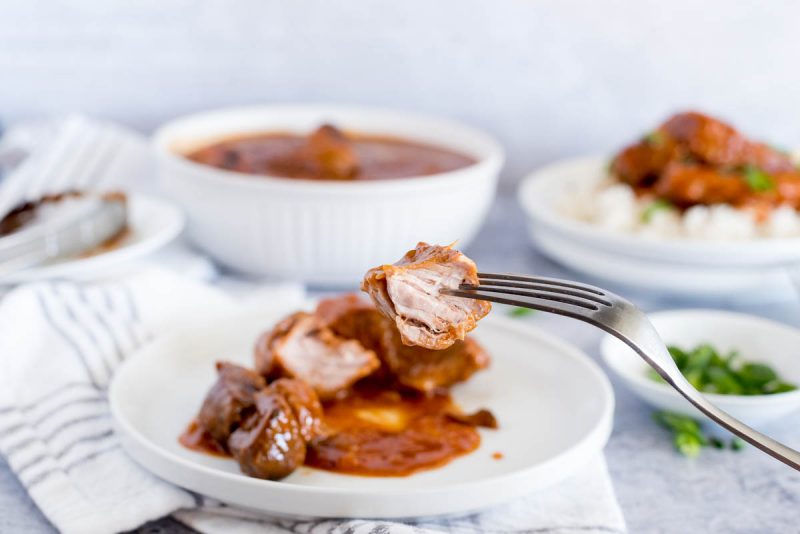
(328, 154)
(196, 438)
(388, 433)
(377, 432)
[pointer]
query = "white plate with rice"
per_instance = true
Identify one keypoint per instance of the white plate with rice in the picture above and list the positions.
(599, 227)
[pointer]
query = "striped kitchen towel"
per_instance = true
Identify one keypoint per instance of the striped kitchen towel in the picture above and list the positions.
(60, 344)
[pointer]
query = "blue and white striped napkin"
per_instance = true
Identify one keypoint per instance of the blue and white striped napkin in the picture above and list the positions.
(60, 343)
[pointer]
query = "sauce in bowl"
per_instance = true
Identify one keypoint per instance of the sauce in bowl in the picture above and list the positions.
(329, 154)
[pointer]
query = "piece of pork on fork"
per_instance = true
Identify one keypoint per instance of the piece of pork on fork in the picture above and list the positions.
(408, 292)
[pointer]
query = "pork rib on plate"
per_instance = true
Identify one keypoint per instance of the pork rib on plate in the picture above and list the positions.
(302, 347)
(416, 367)
(409, 293)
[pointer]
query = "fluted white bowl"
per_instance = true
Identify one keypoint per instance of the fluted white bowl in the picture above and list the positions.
(323, 232)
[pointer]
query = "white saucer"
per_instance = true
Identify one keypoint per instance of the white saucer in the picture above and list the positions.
(152, 223)
(553, 403)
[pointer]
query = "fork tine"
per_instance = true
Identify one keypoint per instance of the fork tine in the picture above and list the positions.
(538, 301)
(541, 280)
(556, 289)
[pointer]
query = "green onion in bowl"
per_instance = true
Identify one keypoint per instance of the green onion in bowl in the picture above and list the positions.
(711, 372)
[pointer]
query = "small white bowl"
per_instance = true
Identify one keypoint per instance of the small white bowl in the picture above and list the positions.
(324, 232)
(754, 268)
(756, 340)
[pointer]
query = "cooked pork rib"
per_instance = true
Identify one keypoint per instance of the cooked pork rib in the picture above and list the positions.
(229, 401)
(409, 293)
(305, 406)
(427, 370)
(304, 348)
(416, 367)
(269, 443)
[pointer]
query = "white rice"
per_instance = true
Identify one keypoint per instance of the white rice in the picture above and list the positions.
(616, 207)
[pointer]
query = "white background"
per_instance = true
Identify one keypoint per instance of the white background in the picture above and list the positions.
(549, 78)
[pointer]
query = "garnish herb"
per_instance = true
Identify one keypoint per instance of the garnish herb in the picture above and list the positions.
(710, 372)
(654, 138)
(758, 180)
(654, 207)
(520, 312)
(688, 436)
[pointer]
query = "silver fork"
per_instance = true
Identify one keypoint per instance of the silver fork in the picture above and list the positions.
(622, 319)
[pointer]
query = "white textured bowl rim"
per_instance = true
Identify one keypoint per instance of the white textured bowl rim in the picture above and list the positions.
(665, 246)
(642, 380)
(493, 160)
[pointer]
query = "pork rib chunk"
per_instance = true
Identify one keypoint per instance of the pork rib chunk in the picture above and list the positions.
(428, 370)
(229, 401)
(351, 317)
(269, 444)
(302, 347)
(408, 292)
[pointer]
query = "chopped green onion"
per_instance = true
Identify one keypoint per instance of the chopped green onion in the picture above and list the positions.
(654, 138)
(758, 180)
(521, 312)
(654, 207)
(687, 444)
(711, 372)
(688, 437)
(716, 443)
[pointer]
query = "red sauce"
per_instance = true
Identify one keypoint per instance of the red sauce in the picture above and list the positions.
(378, 433)
(391, 434)
(197, 439)
(328, 154)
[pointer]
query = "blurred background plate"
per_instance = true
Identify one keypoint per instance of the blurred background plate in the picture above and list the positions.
(758, 269)
(152, 223)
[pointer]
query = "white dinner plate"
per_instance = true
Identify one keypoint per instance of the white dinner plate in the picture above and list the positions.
(553, 403)
(152, 223)
(755, 269)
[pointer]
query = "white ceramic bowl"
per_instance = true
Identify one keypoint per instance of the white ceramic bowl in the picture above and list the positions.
(698, 268)
(756, 339)
(324, 232)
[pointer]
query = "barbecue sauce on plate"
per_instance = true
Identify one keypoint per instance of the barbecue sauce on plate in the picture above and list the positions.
(378, 432)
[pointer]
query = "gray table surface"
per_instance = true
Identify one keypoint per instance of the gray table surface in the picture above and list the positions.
(658, 490)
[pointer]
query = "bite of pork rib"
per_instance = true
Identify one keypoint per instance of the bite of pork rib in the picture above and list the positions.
(409, 292)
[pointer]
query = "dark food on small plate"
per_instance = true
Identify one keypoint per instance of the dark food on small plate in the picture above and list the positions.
(693, 159)
(338, 390)
(408, 292)
(30, 212)
(329, 154)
